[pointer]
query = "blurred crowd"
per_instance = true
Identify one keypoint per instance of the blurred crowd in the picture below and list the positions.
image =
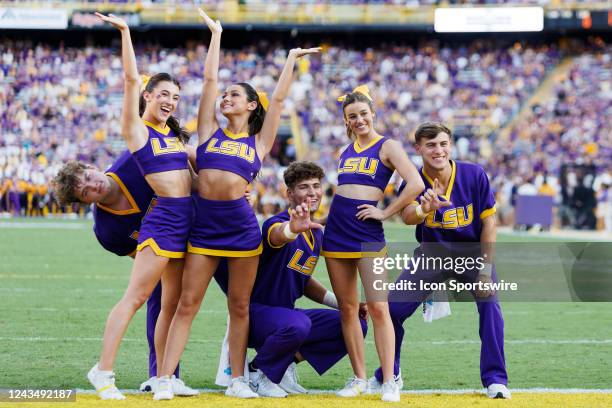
(59, 104)
(563, 146)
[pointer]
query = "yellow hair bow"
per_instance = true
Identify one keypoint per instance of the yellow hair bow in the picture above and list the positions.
(145, 81)
(362, 89)
(263, 99)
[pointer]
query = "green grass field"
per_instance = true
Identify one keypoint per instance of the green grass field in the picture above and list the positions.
(57, 286)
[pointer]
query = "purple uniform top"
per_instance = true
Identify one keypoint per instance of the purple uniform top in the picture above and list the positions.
(362, 165)
(283, 272)
(227, 151)
(472, 201)
(164, 151)
(117, 230)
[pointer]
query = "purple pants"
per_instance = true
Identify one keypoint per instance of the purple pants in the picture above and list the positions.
(153, 309)
(491, 328)
(278, 333)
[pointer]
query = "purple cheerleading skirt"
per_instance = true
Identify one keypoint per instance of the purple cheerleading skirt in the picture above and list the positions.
(166, 227)
(348, 237)
(226, 228)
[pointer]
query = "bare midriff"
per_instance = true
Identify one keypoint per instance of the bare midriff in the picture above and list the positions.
(173, 183)
(214, 184)
(360, 192)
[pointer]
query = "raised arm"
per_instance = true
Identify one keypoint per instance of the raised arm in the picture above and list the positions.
(265, 139)
(207, 121)
(394, 152)
(132, 129)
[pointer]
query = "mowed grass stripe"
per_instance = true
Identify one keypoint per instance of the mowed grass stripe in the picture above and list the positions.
(100, 279)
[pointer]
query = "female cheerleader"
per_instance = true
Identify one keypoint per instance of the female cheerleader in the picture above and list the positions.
(354, 234)
(225, 225)
(156, 142)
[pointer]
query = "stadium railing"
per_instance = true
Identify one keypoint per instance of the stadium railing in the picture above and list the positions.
(293, 12)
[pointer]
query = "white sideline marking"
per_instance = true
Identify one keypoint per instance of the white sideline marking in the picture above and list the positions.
(433, 342)
(418, 392)
(61, 276)
(557, 312)
(92, 339)
(224, 311)
(44, 225)
(528, 341)
(99, 309)
(78, 290)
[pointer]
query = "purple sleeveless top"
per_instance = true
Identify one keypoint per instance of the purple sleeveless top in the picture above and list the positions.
(162, 152)
(227, 151)
(363, 166)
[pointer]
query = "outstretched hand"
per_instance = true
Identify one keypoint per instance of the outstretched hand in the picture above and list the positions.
(300, 52)
(214, 26)
(430, 200)
(113, 20)
(299, 218)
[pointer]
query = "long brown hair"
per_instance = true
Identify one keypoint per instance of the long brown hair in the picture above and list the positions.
(350, 99)
(172, 122)
(256, 119)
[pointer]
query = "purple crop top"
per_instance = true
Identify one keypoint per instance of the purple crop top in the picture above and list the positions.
(162, 152)
(364, 166)
(227, 151)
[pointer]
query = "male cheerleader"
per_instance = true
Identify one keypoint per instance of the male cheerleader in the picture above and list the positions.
(282, 334)
(122, 197)
(463, 214)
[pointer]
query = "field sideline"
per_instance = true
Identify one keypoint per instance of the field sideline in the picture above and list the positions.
(58, 285)
(523, 400)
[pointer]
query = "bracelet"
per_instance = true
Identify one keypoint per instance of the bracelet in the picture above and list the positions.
(288, 233)
(330, 300)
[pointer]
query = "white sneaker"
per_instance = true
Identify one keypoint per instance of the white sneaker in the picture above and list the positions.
(498, 391)
(262, 385)
(375, 386)
(104, 383)
(289, 382)
(390, 392)
(180, 389)
(239, 388)
(163, 389)
(353, 387)
(149, 385)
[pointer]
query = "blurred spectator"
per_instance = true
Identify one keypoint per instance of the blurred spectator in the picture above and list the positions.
(51, 99)
(527, 188)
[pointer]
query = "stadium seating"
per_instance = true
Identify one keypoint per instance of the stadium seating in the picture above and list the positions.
(61, 104)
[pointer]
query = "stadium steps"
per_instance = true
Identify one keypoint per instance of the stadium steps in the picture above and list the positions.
(541, 94)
